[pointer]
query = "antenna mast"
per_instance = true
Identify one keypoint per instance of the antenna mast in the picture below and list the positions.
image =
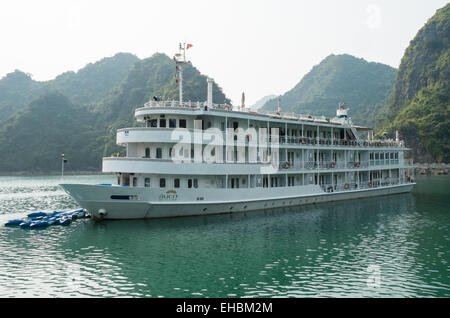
(180, 60)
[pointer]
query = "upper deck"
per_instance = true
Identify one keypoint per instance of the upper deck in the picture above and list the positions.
(287, 122)
(224, 110)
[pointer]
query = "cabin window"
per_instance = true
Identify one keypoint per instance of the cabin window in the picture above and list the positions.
(147, 182)
(222, 126)
(382, 156)
(176, 183)
(189, 183)
(158, 153)
(371, 156)
(273, 182)
(392, 155)
(134, 182)
(195, 183)
(162, 183)
(265, 182)
(291, 181)
(182, 123)
(126, 179)
(147, 152)
(209, 124)
(153, 122)
(172, 123)
(162, 123)
(396, 155)
(170, 152)
(377, 156)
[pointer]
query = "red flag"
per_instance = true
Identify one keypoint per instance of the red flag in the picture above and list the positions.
(188, 46)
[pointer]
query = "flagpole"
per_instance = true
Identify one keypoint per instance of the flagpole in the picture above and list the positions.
(62, 166)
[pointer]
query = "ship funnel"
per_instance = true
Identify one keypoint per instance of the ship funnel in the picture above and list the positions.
(210, 92)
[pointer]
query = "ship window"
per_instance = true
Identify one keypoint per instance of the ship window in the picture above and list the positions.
(147, 152)
(195, 183)
(153, 122)
(162, 183)
(392, 155)
(222, 126)
(382, 156)
(162, 123)
(147, 182)
(134, 182)
(120, 197)
(291, 181)
(189, 183)
(172, 123)
(170, 152)
(182, 123)
(234, 182)
(176, 183)
(377, 156)
(371, 156)
(158, 153)
(396, 155)
(209, 124)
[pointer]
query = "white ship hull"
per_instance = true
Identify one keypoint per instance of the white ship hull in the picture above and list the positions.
(145, 203)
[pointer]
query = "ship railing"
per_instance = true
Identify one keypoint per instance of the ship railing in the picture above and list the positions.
(188, 104)
(348, 186)
(328, 142)
(335, 165)
(357, 164)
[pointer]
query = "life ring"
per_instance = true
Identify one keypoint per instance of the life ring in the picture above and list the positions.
(346, 186)
(333, 164)
(370, 184)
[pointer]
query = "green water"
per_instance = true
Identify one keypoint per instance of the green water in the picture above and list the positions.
(393, 246)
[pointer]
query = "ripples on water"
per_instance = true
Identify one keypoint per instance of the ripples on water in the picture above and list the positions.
(327, 250)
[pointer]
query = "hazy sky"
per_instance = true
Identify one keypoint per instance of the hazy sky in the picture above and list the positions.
(256, 46)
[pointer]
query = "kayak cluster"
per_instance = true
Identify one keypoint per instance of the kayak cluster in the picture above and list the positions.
(44, 219)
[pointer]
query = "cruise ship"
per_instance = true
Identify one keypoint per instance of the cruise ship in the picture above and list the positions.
(200, 158)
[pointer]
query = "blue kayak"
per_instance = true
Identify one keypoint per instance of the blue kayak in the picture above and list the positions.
(53, 221)
(25, 224)
(65, 221)
(38, 224)
(14, 222)
(37, 214)
(55, 213)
